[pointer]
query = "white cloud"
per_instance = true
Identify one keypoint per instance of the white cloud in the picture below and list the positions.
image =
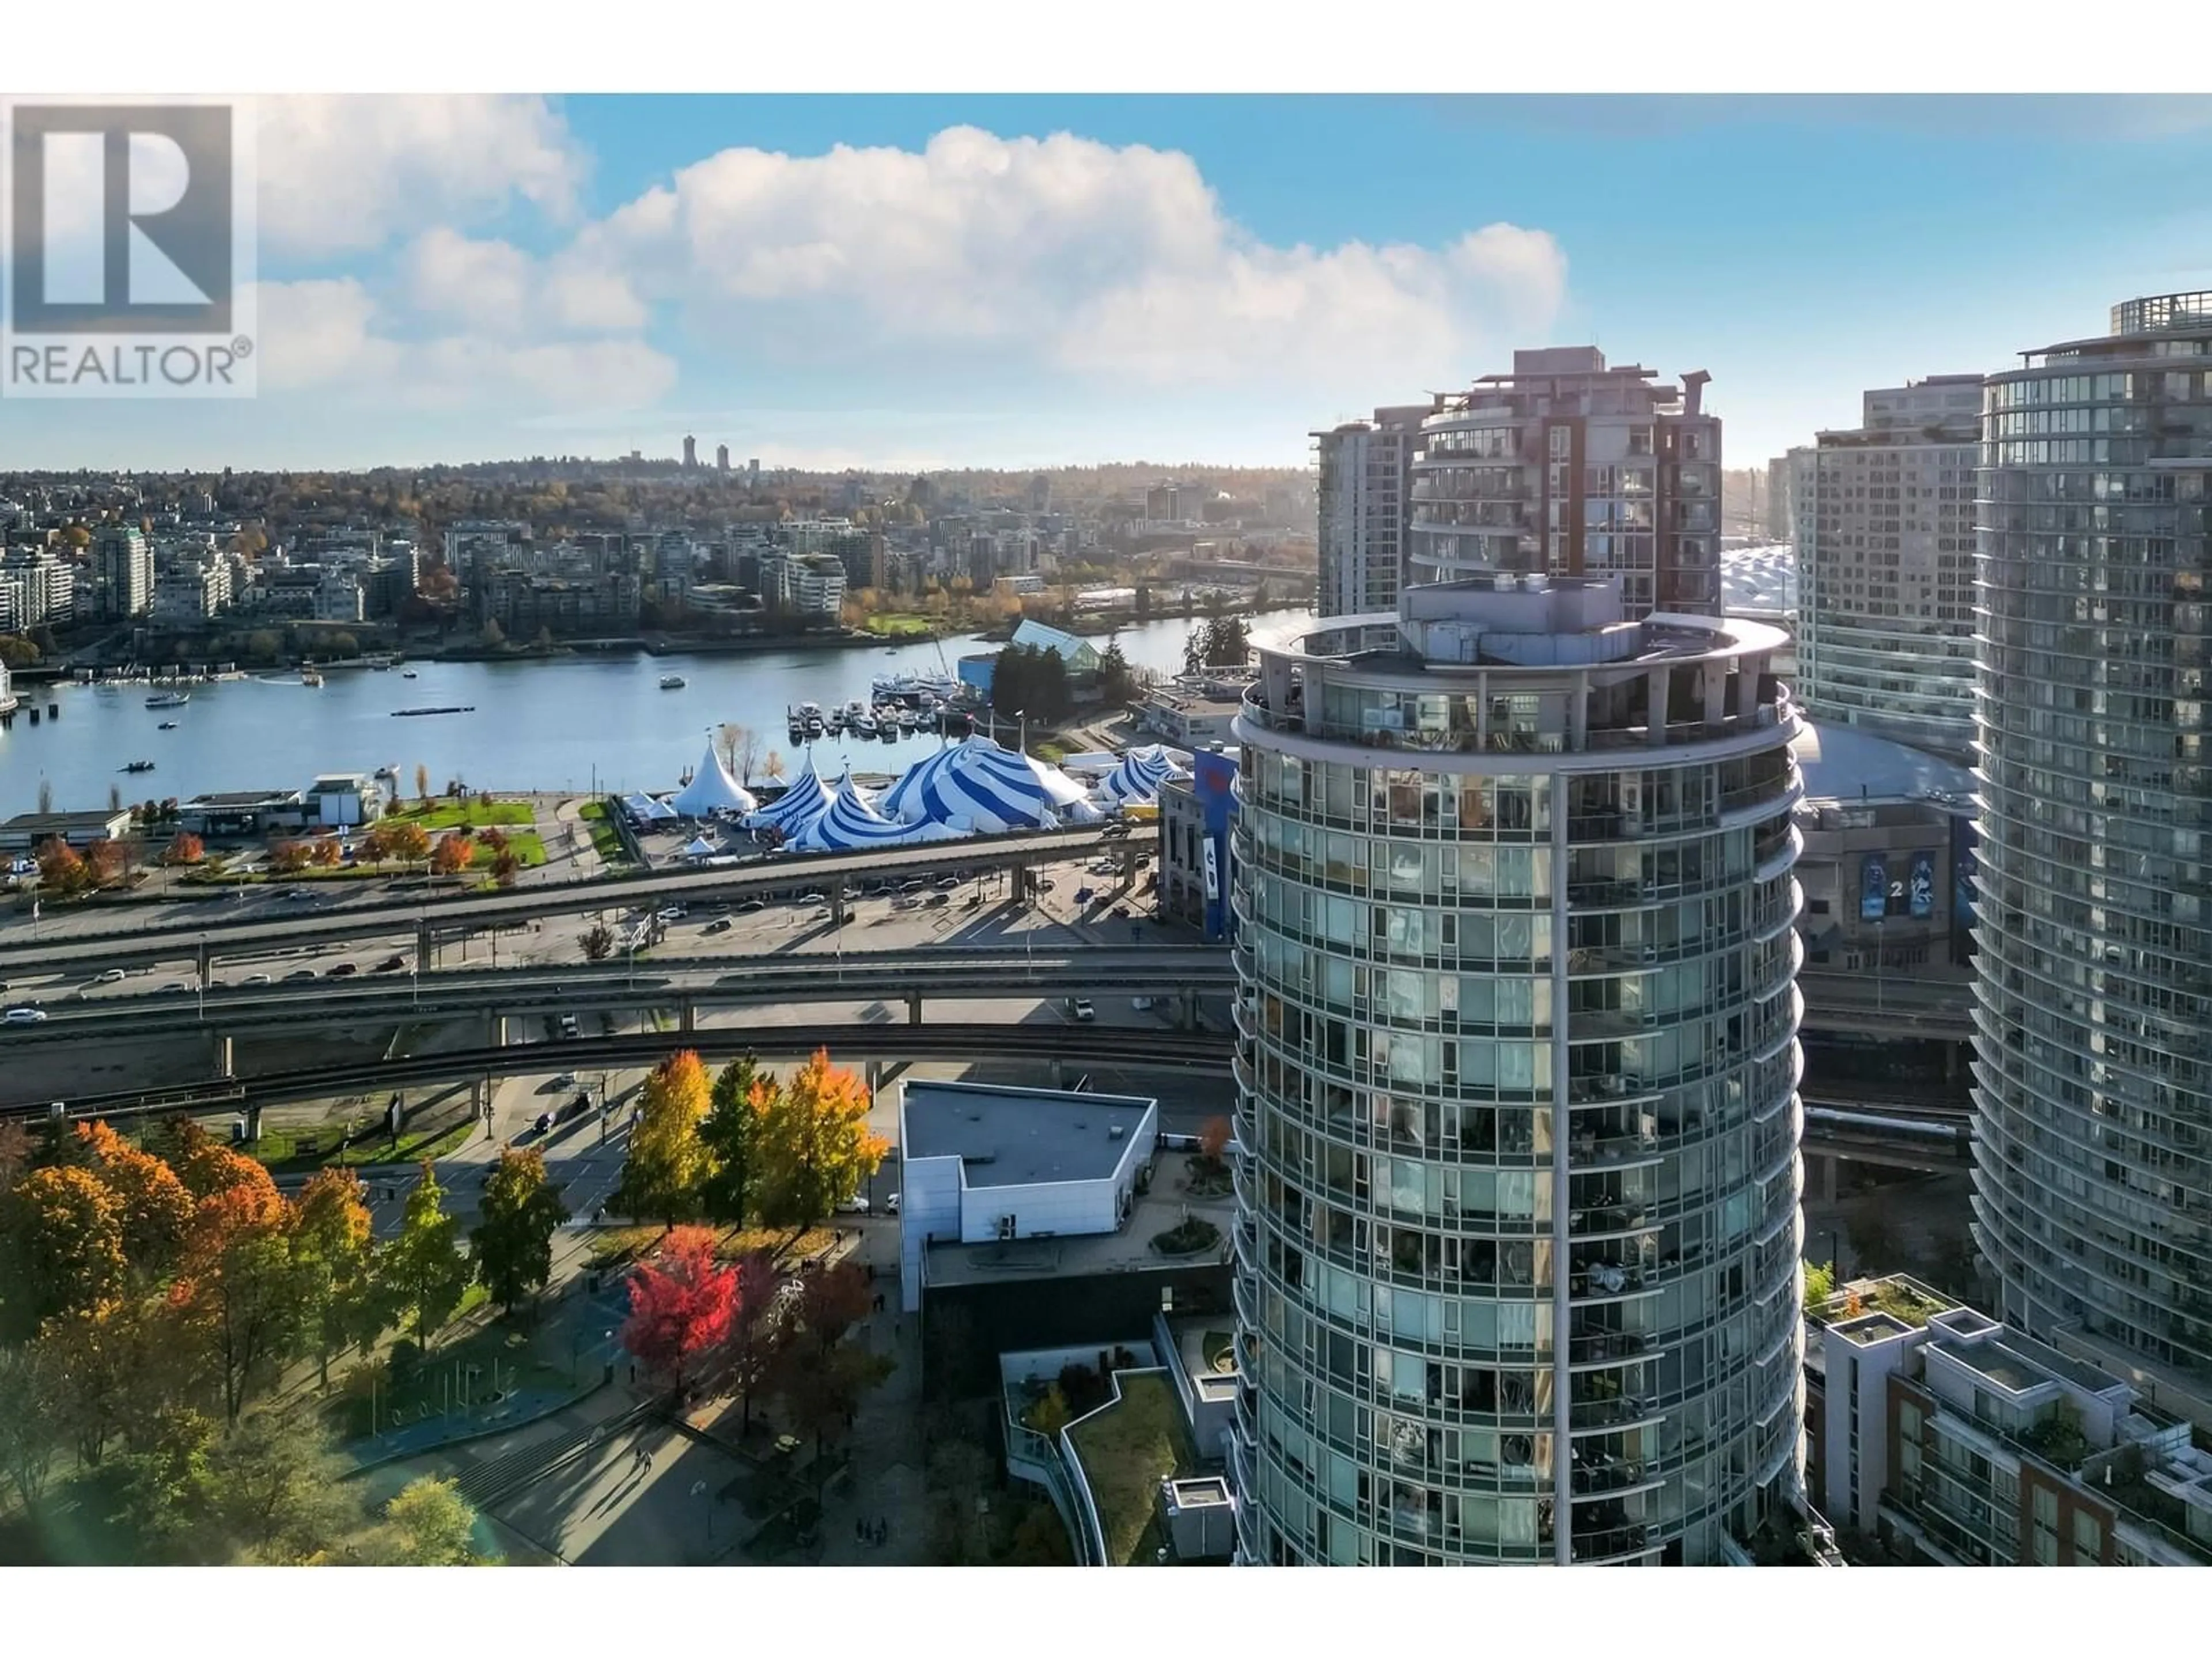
(346, 174)
(496, 287)
(330, 337)
(1058, 253)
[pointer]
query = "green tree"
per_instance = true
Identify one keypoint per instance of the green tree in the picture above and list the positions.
(1118, 681)
(512, 1244)
(30, 1426)
(238, 1293)
(597, 942)
(725, 1196)
(813, 1146)
(667, 1164)
(17, 652)
(422, 1274)
(277, 1492)
(334, 1256)
(429, 1524)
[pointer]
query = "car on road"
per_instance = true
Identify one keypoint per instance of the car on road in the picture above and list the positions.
(569, 1028)
(751, 905)
(1114, 831)
(1084, 1013)
(1103, 867)
(113, 976)
(949, 885)
(719, 924)
(1146, 1005)
(298, 974)
(344, 969)
(256, 979)
(814, 895)
(24, 1016)
(936, 899)
(857, 1205)
(914, 886)
(391, 964)
(297, 894)
(176, 985)
(906, 902)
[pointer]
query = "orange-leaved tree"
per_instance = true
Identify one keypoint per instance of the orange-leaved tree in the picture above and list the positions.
(452, 853)
(185, 848)
(814, 1148)
(237, 1289)
(61, 1248)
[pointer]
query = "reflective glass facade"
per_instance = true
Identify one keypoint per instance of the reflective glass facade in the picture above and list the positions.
(2094, 1151)
(1518, 1175)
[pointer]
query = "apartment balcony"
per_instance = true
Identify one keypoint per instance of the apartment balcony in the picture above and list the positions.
(1601, 1544)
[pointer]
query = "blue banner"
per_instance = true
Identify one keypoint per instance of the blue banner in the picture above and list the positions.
(1965, 866)
(1874, 888)
(1923, 888)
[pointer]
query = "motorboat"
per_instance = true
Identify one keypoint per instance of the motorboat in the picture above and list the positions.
(407, 674)
(169, 700)
(671, 682)
(139, 766)
(168, 725)
(863, 724)
(311, 679)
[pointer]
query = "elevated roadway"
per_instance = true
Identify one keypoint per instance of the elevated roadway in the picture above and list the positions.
(168, 931)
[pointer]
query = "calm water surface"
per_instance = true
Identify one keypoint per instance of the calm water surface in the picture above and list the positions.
(534, 726)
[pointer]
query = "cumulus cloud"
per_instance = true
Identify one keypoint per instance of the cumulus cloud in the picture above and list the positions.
(1115, 262)
(330, 338)
(347, 175)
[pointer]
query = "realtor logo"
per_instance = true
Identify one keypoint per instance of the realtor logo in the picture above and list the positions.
(129, 251)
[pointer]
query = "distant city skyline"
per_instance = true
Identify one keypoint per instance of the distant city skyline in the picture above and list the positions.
(915, 283)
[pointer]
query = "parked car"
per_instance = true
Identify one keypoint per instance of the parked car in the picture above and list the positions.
(1114, 831)
(814, 895)
(256, 979)
(299, 973)
(344, 968)
(915, 886)
(1144, 1005)
(948, 884)
(719, 924)
(751, 905)
(940, 898)
(25, 1016)
(565, 1080)
(391, 964)
(856, 1205)
(569, 1028)
(890, 1205)
(1084, 1013)
(1083, 894)
(113, 976)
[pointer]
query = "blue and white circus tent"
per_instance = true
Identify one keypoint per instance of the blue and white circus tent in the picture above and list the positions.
(712, 790)
(797, 807)
(903, 800)
(853, 823)
(1136, 781)
(976, 787)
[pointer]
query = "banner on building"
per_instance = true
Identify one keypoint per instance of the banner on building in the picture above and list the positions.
(1922, 890)
(1874, 888)
(1213, 872)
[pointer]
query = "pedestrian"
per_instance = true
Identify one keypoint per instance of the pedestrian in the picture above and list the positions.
(859, 1530)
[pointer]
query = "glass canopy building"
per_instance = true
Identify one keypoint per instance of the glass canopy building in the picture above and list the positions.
(1517, 1240)
(2093, 1151)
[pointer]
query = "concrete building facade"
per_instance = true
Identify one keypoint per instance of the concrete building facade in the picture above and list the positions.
(1365, 474)
(1518, 1229)
(1886, 633)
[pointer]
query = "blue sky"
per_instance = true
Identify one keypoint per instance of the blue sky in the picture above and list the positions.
(1027, 280)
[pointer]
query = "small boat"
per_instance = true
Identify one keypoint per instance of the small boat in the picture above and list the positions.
(403, 713)
(864, 725)
(671, 682)
(407, 674)
(139, 766)
(169, 700)
(168, 725)
(309, 677)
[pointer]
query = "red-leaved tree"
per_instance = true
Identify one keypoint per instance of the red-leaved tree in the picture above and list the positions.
(756, 1328)
(680, 1304)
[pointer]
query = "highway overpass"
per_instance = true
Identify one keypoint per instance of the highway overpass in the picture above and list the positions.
(1895, 1005)
(686, 985)
(167, 931)
(1047, 1045)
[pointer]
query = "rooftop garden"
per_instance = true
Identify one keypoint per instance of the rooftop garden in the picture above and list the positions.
(1126, 1451)
(1900, 1298)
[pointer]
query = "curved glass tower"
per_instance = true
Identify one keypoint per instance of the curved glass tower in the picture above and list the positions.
(1518, 1179)
(2094, 1153)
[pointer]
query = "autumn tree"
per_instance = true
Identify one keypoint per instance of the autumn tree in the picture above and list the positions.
(422, 783)
(814, 1148)
(205, 1165)
(152, 1205)
(334, 1259)
(494, 837)
(324, 853)
(114, 1366)
(667, 1164)
(505, 868)
(681, 1304)
(288, 858)
(512, 1244)
(725, 1196)
(454, 854)
(740, 749)
(822, 1391)
(757, 1328)
(429, 1524)
(237, 1291)
(61, 870)
(400, 839)
(185, 848)
(61, 1247)
(105, 862)
(423, 1274)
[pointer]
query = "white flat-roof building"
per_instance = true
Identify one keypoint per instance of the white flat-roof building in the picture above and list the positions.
(985, 1165)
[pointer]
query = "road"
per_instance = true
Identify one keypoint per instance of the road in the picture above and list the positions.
(99, 937)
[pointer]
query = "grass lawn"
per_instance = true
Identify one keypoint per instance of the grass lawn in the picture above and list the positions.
(898, 624)
(606, 840)
(1126, 1451)
(526, 845)
(280, 1149)
(495, 1343)
(475, 811)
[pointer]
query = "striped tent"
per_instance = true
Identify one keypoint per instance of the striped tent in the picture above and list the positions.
(1136, 781)
(796, 808)
(987, 790)
(903, 800)
(852, 822)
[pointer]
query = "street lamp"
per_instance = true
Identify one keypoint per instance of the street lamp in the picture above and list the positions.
(1023, 715)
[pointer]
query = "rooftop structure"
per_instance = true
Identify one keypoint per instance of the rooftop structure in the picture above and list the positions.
(1961, 1440)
